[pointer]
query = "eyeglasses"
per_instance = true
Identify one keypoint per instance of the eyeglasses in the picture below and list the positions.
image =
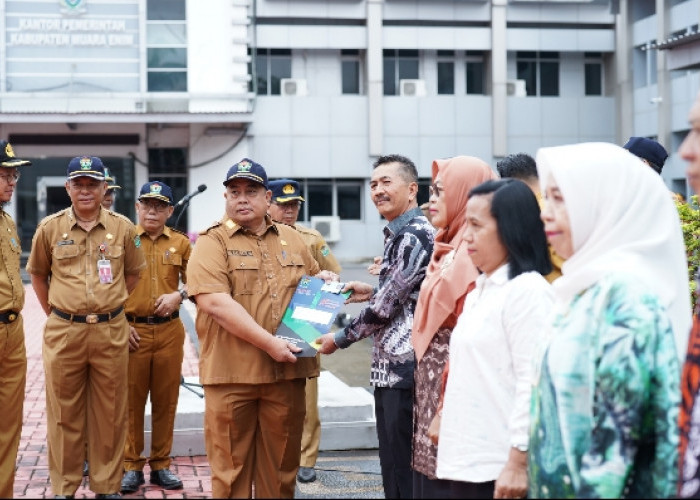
(289, 205)
(152, 205)
(10, 177)
(436, 190)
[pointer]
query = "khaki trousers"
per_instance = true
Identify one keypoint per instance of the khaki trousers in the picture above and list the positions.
(311, 437)
(86, 381)
(252, 434)
(13, 372)
(155, 367)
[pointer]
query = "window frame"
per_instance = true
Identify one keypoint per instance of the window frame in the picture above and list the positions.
(177, 71)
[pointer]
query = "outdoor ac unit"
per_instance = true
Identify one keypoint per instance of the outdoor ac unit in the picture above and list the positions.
(412, 88)
(293, 86)
(328, 226)
(516, 88)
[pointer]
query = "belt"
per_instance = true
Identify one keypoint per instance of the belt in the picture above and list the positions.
(152, 320)
(90, 319)
(8, 317)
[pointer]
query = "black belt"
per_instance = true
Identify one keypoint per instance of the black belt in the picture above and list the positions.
(8, 317)
(90, 319)
(152, 320)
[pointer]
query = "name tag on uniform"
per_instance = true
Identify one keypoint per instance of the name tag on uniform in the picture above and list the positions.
(64, 242)
(104, 269)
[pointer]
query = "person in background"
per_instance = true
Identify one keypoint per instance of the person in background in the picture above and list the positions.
(286, 202)
(605, 396)
(388, 319)
(522, 166)
(450, 275)
(483, 432)
(111, 193)
(156, 339)
(84, 262)
(13, 356)
(649, 151)
(689, 418)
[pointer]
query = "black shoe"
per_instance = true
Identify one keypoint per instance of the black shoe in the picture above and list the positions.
(306, 474)
(132, 480)
(108, 495)
(86, 468)
(165, 479)
(63, 496)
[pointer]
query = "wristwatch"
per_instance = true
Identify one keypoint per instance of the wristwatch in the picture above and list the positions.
(183, 294)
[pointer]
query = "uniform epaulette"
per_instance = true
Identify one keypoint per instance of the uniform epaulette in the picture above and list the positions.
(178, 232)
(52, 216)
(214, 225)
(307, 230)
(119, 216)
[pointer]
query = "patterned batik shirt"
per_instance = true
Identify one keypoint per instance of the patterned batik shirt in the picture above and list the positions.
(605, 398)
(408, 245)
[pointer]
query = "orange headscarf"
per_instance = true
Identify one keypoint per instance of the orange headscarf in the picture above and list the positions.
(450, 272)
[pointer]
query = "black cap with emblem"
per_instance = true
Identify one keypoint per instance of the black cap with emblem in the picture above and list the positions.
(8, 158)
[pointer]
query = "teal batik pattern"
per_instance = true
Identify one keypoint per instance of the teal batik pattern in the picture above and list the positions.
(605, 398)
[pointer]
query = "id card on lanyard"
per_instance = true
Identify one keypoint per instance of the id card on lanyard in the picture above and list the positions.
(104, 266)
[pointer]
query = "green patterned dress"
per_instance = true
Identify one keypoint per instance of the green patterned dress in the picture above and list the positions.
(605, 398)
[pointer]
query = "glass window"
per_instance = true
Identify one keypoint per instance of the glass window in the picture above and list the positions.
(271, 65)
(349, 201)
(549, 78)
(527, 70)
(594, 78)
(167, 58)
(165, 10)
(169, 165)
(389, 76)
(446, 77)
(350, 71)
(166, 34)
(399, 65)
(319, 200)
(167, 81)
(166, 46)
(475, 77)
(540, 70)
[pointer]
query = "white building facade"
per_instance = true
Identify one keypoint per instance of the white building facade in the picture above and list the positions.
(316, 90)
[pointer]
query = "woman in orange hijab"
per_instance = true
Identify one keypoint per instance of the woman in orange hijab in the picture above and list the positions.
(449, 277)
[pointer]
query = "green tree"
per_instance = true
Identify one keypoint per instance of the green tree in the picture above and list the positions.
(690, 223)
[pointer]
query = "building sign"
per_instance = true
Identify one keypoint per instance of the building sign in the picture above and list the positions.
(71, 32)
(73, 7)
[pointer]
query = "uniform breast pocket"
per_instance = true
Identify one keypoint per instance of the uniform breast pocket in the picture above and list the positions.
(245, 276)
(67, 259)
(171, 268)
(115, 254)
(292, 269)
(15, 253)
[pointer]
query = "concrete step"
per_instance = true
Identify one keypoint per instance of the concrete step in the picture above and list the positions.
(347, 418)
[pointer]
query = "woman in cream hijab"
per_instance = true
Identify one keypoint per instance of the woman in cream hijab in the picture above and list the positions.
(448, 278)
(606, 388)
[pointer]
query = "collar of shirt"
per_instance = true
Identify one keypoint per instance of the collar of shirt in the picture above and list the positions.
(233, 227)
(73, 219)
(498, 277)
(141, 231)
(393, 227)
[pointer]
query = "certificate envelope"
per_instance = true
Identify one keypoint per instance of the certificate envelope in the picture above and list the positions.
(311, 313)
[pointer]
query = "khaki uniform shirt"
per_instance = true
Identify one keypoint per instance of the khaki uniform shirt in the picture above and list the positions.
(68, 254)
(319, 249)
(11, 288)
(260, 273)
(166, 264)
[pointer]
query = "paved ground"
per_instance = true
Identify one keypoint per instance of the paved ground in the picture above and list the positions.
(341, 474)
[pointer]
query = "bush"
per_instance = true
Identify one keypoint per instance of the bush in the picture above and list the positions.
(690, 223)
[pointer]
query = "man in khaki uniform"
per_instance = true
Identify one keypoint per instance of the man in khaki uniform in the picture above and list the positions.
(242, 275)
(286, 202)
(156, 339)
(13, 357)
(84, 262)
(110, 194)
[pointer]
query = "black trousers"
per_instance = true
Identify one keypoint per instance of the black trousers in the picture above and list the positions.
(460, 489)
(394, 412)
(424, 487)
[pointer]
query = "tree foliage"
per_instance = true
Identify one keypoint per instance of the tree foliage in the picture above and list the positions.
(690, 223)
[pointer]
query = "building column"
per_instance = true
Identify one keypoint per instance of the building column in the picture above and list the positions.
(499, 78)
(624, 91)
(375, 77)
(663, 79)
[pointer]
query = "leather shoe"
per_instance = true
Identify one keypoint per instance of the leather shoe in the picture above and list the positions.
(306, 474)
(166, 479)
(132, 480)
(108, 495)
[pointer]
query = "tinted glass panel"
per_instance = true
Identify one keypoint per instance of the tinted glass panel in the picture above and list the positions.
(475, 77)
(594, 79)
(319, 199)
(389, 76)
(408, 69)
(445, 78)
(167, 58)
(349, 202)
(351, 77)
(526, 70)
(166, 34)
(261, 73)
(549, 79)
(280, 67)
(167, 81)
(166, 10)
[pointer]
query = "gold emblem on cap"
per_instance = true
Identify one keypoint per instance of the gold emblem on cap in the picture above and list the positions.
(230, 224)
(9, 151)
(288, 189)
(109, 236)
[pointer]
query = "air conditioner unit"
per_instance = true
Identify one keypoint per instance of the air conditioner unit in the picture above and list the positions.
(328, 226)
(516, 88)
(412, 88)
(293, 86)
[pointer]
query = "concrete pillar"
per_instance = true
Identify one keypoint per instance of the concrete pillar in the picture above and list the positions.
(623, 74)
(663, 79)
(499, 77)
(375, 77)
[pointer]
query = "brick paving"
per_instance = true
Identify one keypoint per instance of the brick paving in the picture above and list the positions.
(32, 477)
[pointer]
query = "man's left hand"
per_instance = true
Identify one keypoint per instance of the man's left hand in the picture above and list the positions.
(167, 304)
(327, 344)
(327, 276)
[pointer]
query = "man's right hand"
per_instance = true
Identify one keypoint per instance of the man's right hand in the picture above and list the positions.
(134, 339)
(361, 292)
(375, 267)
(282, 351)
(327, 344)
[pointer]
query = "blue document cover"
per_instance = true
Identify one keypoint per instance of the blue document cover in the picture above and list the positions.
(311, 313)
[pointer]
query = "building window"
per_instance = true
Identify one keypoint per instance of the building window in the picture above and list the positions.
(644, 65)
(593, 73)
(350, 71)
(271, 65)
(475, 72)
(342, 198)
(446, 72)
(399, 65)
(169, 165)
(540, 70)
(166, 46)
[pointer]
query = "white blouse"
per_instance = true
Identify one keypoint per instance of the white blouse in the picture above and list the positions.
(487, 399)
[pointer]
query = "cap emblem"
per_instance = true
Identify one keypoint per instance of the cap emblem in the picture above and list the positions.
(9, 151)
(156, 188)
(244, 166)
(85, 163)
(288, 189)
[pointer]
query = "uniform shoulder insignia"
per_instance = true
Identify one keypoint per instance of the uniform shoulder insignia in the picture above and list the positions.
(177, 231)
(119, 216)
(308, 230)
(52, 216)
(214, 225)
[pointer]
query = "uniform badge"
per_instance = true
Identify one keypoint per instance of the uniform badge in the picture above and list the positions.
(288, 189)
(284, 243)
(172, 249)
(325, 250)
(137, 241)
(64, 236)
(109, 236)
(85, 163)
(230, 224)
(244, 166)
(9, 151)
(14, 242)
